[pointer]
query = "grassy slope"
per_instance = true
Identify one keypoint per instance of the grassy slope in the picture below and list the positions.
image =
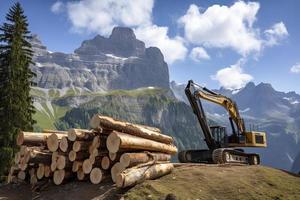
(235, 182)
(47, 119)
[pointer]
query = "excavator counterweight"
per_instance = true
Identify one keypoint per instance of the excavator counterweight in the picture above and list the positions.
(221, 147)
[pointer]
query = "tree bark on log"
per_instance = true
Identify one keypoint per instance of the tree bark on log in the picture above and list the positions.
(32, 139)
(132, 176)
(54, 131)
(133, 159)
(117, 141)
(129, 128)
(40, 157)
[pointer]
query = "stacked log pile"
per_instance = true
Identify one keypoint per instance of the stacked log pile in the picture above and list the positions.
(125, 152)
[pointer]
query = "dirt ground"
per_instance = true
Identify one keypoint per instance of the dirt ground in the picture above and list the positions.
(187, 181)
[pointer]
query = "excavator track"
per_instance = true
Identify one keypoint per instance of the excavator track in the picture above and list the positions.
(229, 155)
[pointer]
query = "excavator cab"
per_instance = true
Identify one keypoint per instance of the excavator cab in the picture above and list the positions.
(219, 134)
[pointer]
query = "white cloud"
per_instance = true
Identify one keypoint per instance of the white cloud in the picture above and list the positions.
(94, 16)
(295, 68)
(275, 33)
(198, 53)
(57, 7)
(223, 26)
(232, 77)
(172, 48)
(229, 27)
(101, 16)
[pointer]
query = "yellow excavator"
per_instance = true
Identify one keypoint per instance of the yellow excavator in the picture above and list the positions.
(222, 148)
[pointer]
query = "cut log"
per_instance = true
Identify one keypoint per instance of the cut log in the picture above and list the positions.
(80, 174)
(114, 156)
(96, 175)
(92, 159)
(61, 162)
(21, 175)
(132, 176)
(115, 170)
(40, 157)
(64, 144)
(54, 156)
(87, 166)
(80, 155)
(80, 134)
(59, 176)
(129, 128)
(76, 166)
(30, 138)
(53, 141)
(132, 159)
(117, 141)
(81, 146)
(105, 163)
(48, 172)
(40, 171)
(17, 157)
(53, 166)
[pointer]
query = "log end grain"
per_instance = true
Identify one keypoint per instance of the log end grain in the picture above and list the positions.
(72, 134)
(52, 142)
(96, 176)
(63, 144)
(87, 166)
(113, 143)
(58, 176)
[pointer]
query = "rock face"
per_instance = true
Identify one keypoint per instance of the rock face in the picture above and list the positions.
(265, 109)
(100, 64)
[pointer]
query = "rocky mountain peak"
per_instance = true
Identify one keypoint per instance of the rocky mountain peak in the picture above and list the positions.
(122, 33)
(118, 62)
(250, 85)
(122, 42)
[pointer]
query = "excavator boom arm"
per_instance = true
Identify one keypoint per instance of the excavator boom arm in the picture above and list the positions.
(224, 101)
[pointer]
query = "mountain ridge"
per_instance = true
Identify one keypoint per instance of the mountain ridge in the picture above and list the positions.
(100, 64)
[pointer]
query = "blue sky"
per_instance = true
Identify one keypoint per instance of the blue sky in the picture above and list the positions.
(216, 43)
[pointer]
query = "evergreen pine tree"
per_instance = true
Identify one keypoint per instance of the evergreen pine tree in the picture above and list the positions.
(16, 105)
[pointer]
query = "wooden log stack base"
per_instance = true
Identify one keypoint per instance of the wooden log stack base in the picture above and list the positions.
(125, 152)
